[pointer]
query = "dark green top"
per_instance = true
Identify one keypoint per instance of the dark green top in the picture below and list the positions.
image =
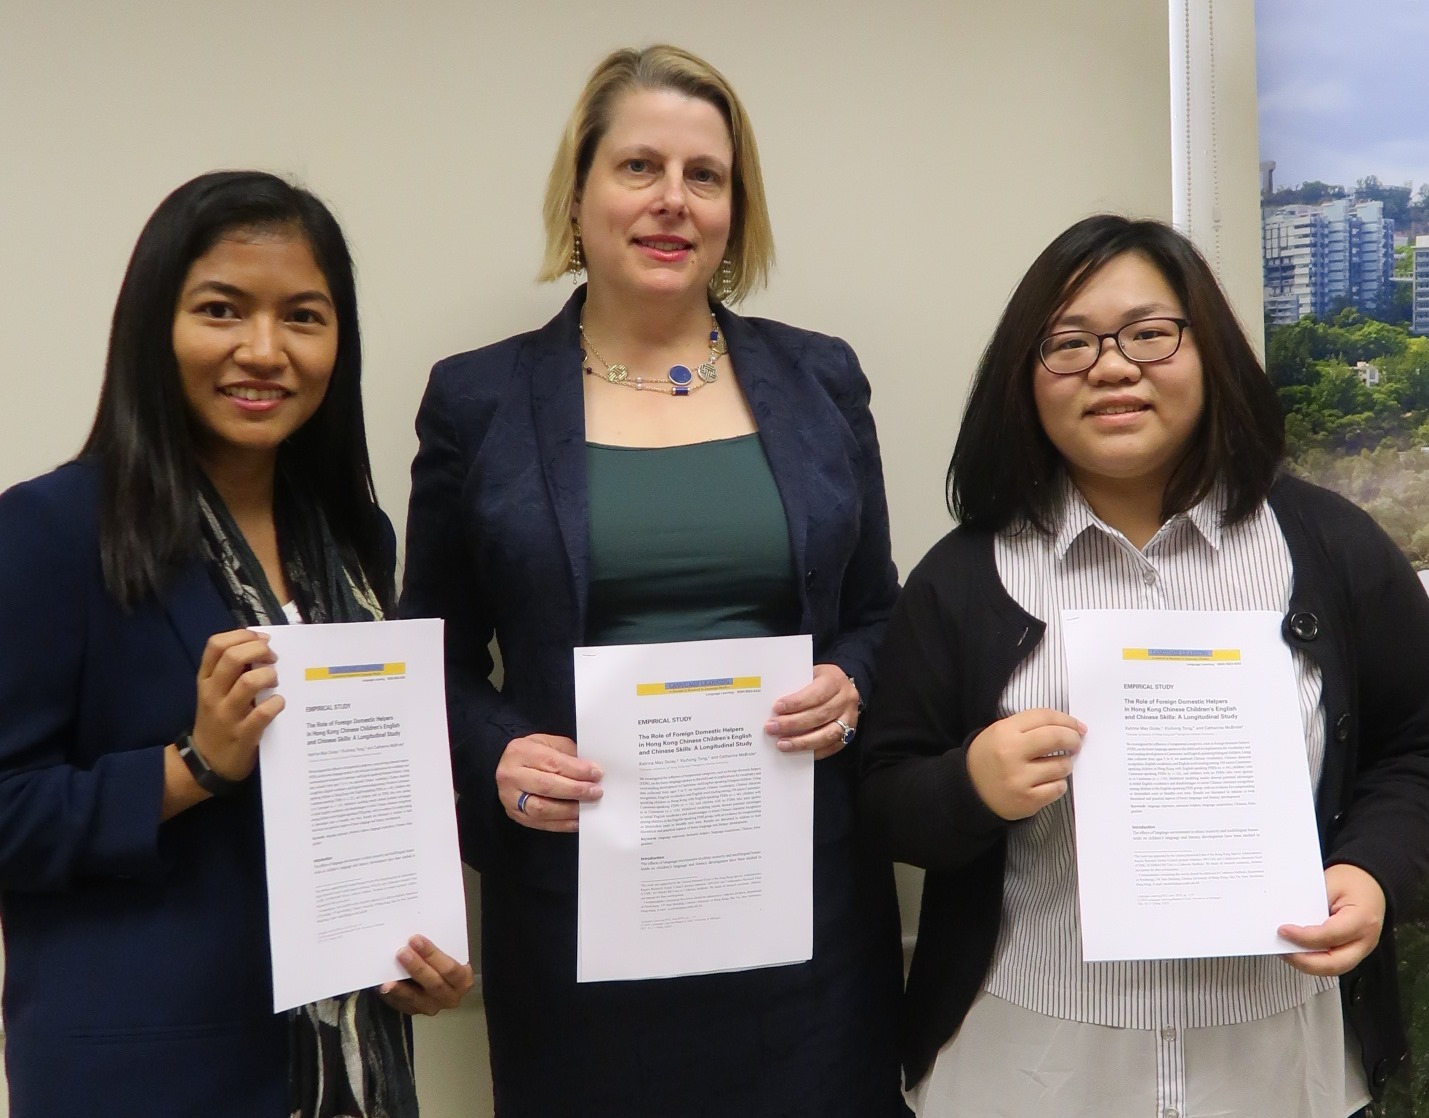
(687, 543)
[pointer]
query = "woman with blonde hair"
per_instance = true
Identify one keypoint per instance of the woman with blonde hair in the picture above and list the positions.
(650, 466)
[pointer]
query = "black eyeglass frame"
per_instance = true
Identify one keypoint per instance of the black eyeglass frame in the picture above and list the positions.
(1115, 335)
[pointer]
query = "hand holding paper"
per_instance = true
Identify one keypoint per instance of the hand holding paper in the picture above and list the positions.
(1020, 764)
(803, 720)
(438, 981)
(541, 782)
(232, 713)
(1356, 919)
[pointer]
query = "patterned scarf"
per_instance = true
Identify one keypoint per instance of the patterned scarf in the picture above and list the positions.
(351, 1056)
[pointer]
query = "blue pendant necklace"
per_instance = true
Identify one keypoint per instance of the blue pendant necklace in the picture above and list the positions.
(679, 381)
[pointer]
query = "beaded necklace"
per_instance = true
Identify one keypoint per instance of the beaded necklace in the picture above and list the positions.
(680, 379)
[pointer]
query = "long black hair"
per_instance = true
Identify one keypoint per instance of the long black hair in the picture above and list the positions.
(1003, 463)
(142, 434)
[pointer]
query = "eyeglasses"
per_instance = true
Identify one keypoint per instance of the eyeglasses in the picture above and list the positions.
(1143, 342)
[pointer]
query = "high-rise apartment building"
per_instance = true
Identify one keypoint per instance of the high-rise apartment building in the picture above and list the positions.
(1371, 256)
(1293, 256)
(1316, 257)
(1420, 322)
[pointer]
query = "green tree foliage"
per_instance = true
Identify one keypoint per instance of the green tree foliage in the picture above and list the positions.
(1288, 355)
(1371, 444)
(1306, 194)
(1367, 441)
(1398, 309)
(1408, 1093)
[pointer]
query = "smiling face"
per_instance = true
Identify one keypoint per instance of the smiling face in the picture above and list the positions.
(1122, 426)
(655, 210)
(255, 338)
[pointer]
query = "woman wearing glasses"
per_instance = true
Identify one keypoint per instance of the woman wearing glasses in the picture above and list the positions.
(1121, 450)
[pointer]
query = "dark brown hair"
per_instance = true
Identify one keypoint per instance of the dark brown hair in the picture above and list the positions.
(141, 433)
(1003, 464)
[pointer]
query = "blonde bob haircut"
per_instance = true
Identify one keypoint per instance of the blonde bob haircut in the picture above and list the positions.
(751, 240)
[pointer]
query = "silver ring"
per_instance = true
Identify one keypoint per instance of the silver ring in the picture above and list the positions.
(521, 802)
(848, 731)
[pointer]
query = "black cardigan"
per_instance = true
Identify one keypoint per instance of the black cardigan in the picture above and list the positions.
(1356, 608)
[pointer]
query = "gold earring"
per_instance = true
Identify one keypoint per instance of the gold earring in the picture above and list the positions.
(724, 279)
(577, 261)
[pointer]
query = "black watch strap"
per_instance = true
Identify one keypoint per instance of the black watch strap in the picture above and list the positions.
(210, 781)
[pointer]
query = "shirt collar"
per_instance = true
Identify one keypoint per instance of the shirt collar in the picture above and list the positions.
(1077, 517)
(1205, 514)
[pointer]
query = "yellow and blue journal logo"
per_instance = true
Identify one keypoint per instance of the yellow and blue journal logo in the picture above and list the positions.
(355, 671)
(685, 686)
(1184, 655)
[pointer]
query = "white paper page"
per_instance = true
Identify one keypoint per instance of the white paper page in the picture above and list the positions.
(1195, 818)
(358, 812)
(699, 855)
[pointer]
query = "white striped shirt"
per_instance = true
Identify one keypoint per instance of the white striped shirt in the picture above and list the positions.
(1192, 563)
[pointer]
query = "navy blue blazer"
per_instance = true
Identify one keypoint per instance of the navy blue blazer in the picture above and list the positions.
(498, 542)
(137, 975)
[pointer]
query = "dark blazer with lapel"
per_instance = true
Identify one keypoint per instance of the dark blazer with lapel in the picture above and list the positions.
(137, 977)
(498, 543)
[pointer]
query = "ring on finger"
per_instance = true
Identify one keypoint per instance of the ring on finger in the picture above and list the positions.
(521, 802)
(846, 732)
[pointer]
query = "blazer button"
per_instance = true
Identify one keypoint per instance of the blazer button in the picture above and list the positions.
(1382, 1070)
(1356, 991)
(809, 579)
(1305, 625)
(1342, 728)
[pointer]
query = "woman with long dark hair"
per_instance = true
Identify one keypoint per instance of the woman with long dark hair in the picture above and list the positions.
(1121, 450)
(225, 484)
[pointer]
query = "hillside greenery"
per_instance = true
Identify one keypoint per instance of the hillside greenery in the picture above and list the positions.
(1369, 442)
